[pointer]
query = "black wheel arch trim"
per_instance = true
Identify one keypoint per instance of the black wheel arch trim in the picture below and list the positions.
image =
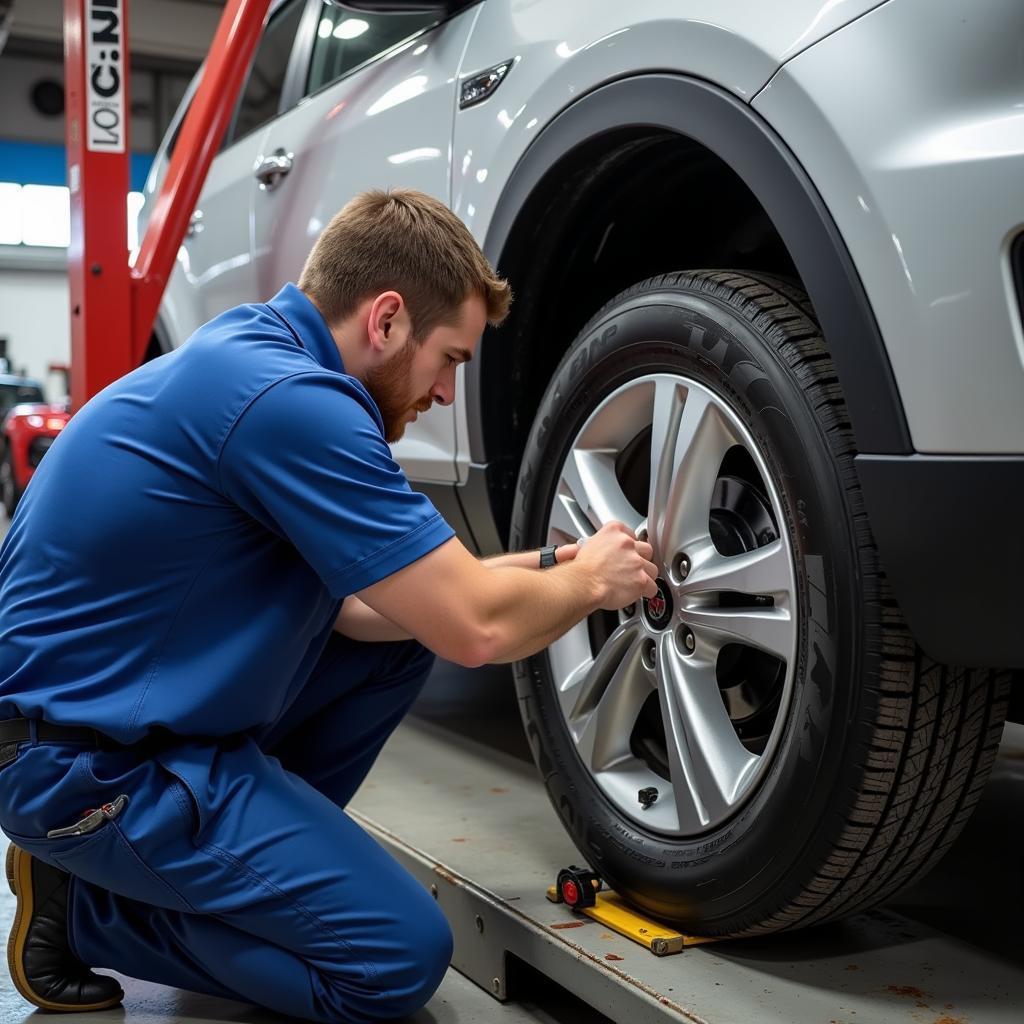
(740, 137)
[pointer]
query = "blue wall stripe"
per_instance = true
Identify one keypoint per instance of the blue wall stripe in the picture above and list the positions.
(43, 163)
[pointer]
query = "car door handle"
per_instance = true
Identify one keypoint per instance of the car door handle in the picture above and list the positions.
(271, 169)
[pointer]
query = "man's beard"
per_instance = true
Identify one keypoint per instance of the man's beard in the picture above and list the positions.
(389, 386)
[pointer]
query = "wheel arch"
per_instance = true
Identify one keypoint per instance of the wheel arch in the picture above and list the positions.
(546, 196)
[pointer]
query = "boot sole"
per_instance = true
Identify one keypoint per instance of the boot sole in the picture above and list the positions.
(19, 878)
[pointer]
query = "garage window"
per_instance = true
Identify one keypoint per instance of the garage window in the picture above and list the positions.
(347, 39)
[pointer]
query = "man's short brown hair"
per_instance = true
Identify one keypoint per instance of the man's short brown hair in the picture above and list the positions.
(405, 241)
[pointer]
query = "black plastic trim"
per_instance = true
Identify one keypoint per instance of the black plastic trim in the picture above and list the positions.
(445, 499)
(466, 508)
(948, 529)
(736, 134)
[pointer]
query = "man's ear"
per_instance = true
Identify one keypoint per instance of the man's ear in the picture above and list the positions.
(380, 327)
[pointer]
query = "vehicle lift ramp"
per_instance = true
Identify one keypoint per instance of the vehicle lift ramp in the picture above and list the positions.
(473, 823)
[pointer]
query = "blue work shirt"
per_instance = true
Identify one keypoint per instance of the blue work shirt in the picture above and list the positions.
(182, 551)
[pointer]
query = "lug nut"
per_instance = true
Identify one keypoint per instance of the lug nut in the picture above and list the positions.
(681, 567)
(686, 639)
(650, 655)
(629, 611)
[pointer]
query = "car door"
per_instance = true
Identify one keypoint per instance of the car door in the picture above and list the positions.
(377, 111)
(215, 269)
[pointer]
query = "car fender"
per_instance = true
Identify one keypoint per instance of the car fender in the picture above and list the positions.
(742, 139)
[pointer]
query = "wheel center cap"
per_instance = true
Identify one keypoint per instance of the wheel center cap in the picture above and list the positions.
(658, 609)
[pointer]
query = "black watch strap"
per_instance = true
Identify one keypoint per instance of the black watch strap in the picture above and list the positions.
(547, 556)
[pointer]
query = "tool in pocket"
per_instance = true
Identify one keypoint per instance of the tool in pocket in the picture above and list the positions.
(92, 820)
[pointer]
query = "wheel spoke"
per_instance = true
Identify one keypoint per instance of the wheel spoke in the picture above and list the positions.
(589, 478)
(667, 411)
(708, 764)
(567, 522)
(609, 700)
(769, 629)
(763, 571)
(570, 660)
(687, 467)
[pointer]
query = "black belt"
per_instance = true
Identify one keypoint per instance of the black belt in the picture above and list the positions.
(18, 730)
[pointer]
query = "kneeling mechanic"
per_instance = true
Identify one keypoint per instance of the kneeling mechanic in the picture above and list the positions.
(218, 598)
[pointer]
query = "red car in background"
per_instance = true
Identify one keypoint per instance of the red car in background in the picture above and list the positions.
(28, 426)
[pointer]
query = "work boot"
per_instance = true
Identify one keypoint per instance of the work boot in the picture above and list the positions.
(43, 967)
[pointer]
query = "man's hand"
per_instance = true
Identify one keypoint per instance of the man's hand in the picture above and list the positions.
(620, 563)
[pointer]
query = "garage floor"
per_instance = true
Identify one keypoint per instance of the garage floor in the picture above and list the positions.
(952, 941)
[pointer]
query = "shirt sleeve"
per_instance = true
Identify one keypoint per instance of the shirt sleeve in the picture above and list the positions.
(308, 460)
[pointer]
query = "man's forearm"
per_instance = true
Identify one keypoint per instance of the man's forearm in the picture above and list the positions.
(359, 622)
(536, 609)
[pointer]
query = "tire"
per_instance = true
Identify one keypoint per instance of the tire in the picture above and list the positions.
(873, 757)
(10, 493)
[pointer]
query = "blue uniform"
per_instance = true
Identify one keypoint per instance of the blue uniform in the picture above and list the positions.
(171, 580)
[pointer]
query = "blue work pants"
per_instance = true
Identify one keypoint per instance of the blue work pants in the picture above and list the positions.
(234, 871)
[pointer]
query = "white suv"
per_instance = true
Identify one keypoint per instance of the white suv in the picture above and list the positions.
(767, 259)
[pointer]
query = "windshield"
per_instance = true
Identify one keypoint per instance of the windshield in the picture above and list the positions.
(14, 394)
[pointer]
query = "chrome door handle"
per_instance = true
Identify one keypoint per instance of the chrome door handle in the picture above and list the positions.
(271, 169)
(195, 224)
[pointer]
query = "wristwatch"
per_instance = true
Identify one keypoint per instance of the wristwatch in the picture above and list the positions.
(547, 556)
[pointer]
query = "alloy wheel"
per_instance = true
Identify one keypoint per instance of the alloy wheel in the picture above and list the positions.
(676, 704)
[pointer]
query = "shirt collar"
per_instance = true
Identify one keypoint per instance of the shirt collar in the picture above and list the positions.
(308, 325)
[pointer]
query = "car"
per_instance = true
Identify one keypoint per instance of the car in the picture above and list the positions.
(14, 390)
(768, 263)
(17, 390)
(26, 433)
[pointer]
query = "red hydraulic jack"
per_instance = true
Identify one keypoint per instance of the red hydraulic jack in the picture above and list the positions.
(114, 305)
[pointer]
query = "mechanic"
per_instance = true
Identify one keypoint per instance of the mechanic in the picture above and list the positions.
(217, 599)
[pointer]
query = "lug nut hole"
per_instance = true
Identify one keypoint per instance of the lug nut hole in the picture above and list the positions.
(681, 566)
(649, 655)
(685, 640)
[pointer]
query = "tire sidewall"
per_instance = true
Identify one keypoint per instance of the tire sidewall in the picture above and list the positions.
(758, 856)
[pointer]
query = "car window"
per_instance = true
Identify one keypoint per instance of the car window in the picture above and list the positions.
(346, 38)
(262, 94)
(14, 394)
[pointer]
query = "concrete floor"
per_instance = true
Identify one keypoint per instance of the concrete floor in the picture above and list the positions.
(972, 903)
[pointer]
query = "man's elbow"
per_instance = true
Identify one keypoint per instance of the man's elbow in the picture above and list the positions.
(477, 647)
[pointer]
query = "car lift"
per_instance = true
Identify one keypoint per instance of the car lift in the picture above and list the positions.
(114, 305)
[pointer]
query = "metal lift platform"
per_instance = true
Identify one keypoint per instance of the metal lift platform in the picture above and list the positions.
(474, 825)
